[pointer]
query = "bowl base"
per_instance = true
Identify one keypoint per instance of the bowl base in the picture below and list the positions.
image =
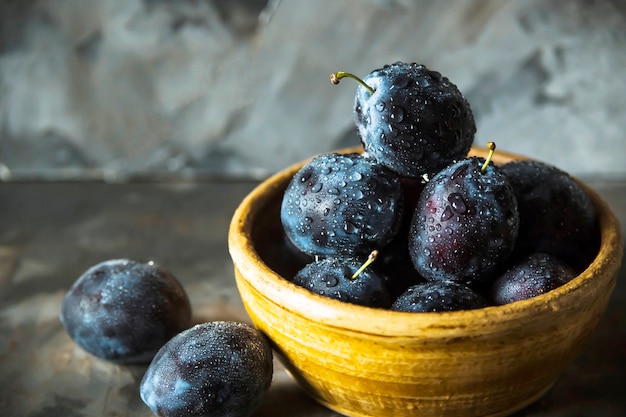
(430, 413)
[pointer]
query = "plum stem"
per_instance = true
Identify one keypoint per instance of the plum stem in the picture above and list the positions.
(492, 147)
(336, 76)
(371, 258)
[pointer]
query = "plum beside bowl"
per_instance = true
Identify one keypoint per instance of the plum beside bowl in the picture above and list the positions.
(361, 361)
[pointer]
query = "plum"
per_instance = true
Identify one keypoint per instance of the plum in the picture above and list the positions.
(345, 279)
(439, 296)
(466, 223)
(214, 369)
(411, 119)
(123, 311)
(342, 204)
(533, 275)
(557, 216)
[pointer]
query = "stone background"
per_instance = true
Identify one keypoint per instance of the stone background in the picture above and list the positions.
(123, 89)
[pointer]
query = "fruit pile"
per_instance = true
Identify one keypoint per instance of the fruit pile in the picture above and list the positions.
(450, 231)
(412, 223)
(129, 312)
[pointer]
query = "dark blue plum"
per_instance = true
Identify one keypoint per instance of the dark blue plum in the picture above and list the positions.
(531, 276)
(341, 204)
(214, 369)
(123, 311)
(557, 216)
(439, 296)
(465, 224)
(416, 122)
(332, 278)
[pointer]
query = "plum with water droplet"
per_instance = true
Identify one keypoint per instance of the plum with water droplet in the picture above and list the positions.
(557, 216)
(335, 278)
(533, 275)
(341, 204)
(465, 224)
(439, 296)
(412, 119)
(217, 369)
(123, 311)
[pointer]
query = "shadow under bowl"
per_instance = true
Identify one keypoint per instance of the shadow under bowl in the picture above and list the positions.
(362, 361)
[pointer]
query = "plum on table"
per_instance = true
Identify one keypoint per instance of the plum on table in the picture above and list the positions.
(214, 369)
(123, 311)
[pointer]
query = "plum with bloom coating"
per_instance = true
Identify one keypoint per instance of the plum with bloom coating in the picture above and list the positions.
(533, 275)
(214, 369)
(341, 204)
(438, 296)
(123, 311)
(412, 119)
(557, 216)
(335, 278)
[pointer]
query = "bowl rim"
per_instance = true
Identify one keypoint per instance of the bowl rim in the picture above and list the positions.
(276, 289)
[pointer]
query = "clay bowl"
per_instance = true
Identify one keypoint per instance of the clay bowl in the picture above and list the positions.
(361, 361)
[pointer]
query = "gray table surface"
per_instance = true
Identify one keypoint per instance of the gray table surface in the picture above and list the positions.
(51, 232)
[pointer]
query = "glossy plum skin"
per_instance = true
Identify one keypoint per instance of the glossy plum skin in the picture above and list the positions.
(416, 122)
(123, 311)
(533, 275)
(332, 277)
(465, 224)
(556, 214)
(341, 204)
(214, 369)
(438, 296)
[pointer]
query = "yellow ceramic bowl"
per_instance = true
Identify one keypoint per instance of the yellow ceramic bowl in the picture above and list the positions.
(362, 361)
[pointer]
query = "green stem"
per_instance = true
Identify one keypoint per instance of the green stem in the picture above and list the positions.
(371, 258)
(492, 147)
(336, 76)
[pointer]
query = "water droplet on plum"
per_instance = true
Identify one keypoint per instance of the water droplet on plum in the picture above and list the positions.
(457, 203)
(447, 214)
(397, 114)
(401, 81)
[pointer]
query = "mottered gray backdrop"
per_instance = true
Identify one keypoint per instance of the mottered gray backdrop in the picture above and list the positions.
(120, 89)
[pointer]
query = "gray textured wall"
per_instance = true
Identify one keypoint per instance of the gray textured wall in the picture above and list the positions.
(123, 88)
